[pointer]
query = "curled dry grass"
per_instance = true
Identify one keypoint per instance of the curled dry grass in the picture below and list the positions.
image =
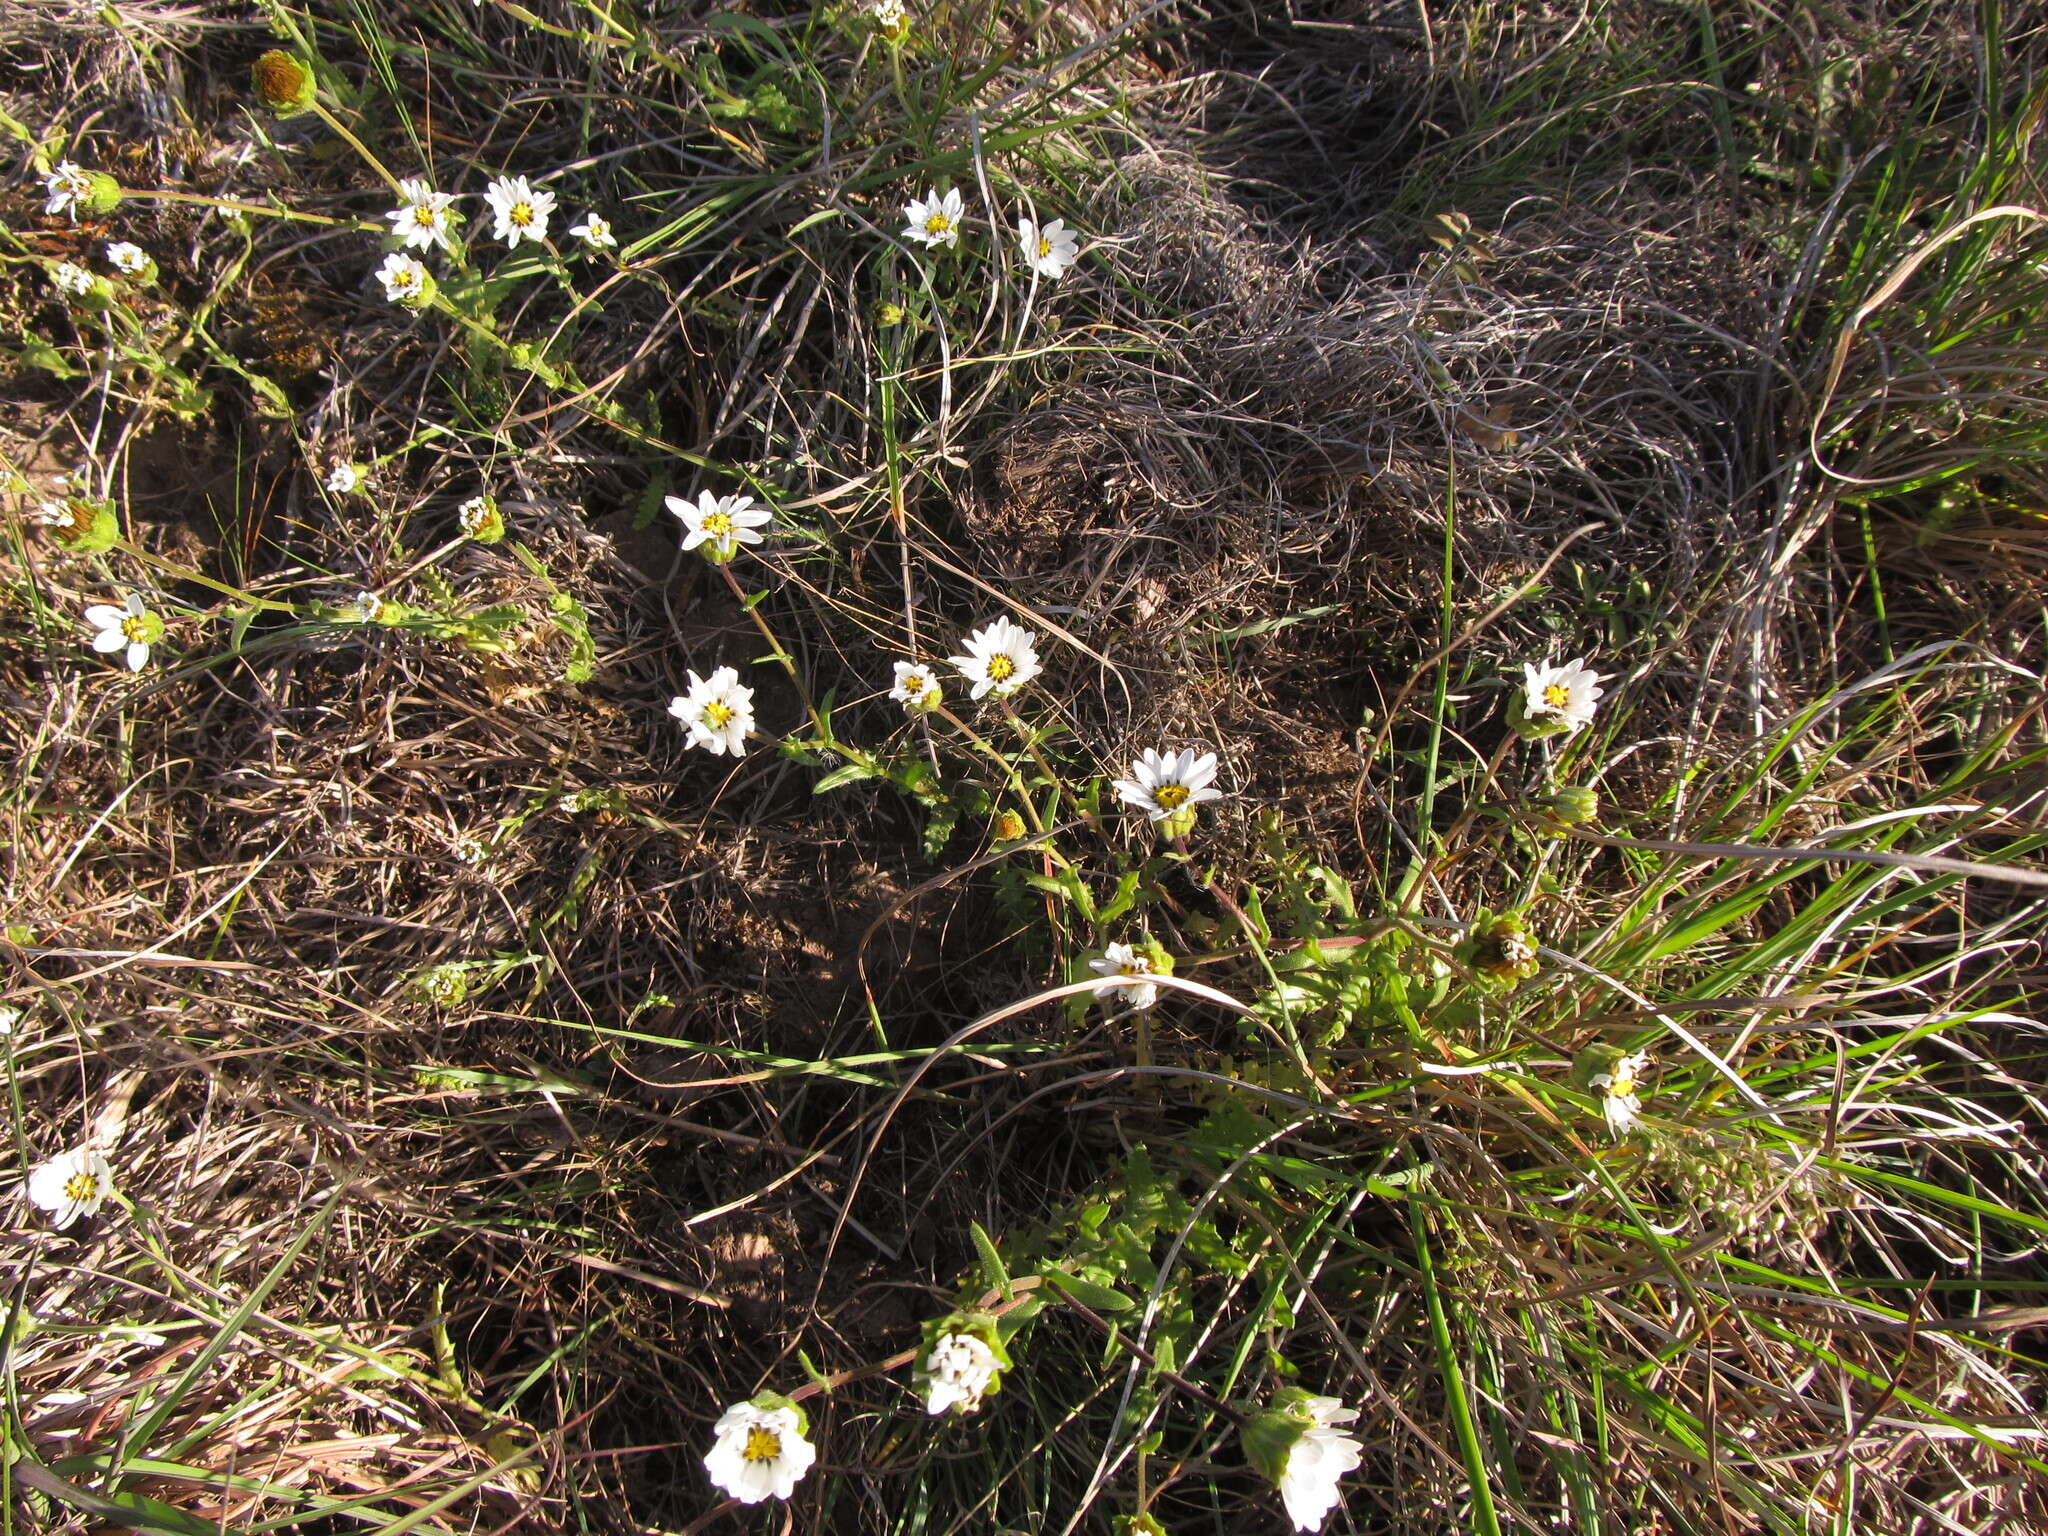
(493, 1264)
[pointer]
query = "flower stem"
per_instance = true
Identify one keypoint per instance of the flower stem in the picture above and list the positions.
(1031, 745)
(357, 145)
(178, 571)
(987, 748)
(826, 738)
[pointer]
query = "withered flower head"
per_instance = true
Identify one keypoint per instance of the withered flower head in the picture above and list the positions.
(283, 83)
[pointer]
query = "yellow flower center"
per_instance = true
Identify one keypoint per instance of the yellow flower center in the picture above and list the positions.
(80, 1186)
(520, 214)
(937, 224)
(1044, 246)
(718, 524)
(1001, 669)
(716, 715)
(763, 1444)
(1135, 967)
(1171, 797)
(425, 218)
(135, 627)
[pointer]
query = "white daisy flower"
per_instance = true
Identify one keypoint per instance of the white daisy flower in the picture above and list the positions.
(889, 15)
(70, 1185)
(423, 220)
(723, 523)
(67, 187)
(480, 519)
(1164, 784)
(917, 687)
(127, 258)
(363, 608)
(1123, 965)
(71, 279)
(1308, 1481)
(1001, 658)
(595, 231)
(1050, 248)
(958, 1369)
(9, 1018)
(519, 209)
(344, 479)
(759, 1451)
(131, 626)
(719, 710)
(1562, 695)
(406, 281)
(935, 218)
(1620, 1105)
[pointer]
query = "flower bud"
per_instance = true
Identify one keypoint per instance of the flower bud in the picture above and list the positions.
(445, 986)
(80, 524)
(1008, 827)
(282, 83)
(105, 195)
(1500, 949)
(1575, 805)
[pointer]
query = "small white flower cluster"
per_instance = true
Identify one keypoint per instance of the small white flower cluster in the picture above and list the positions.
(760, 1450)
(426, 220)
(936, 219)
(959, 1369)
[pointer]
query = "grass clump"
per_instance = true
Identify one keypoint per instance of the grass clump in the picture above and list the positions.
(1021, 768)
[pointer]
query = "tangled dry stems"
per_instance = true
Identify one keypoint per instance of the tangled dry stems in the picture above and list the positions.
(1273, 427)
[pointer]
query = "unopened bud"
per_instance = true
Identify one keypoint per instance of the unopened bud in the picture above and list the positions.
(1575, 805)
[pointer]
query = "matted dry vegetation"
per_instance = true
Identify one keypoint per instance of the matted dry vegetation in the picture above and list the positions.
(496, 1089)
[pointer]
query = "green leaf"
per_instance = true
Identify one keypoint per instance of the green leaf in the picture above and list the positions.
(1268, 626)
(38, 353)
(819, 217)
(991, 1262)
(839, 778)
(817, 1377)
(1098, 1297)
